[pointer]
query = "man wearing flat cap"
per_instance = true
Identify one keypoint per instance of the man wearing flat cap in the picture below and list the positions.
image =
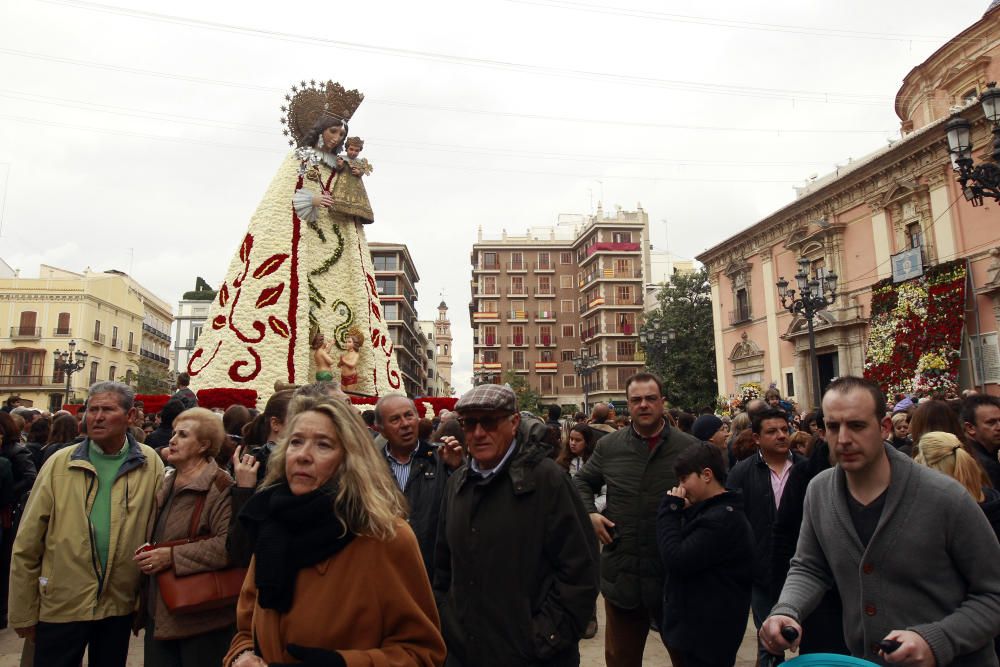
(516, 571)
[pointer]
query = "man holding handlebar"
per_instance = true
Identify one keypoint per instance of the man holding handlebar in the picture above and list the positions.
(914, 558)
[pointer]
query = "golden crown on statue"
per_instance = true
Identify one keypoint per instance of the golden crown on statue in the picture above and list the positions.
(308, 102)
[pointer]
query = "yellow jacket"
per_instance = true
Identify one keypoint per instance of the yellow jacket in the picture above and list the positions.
(55, 570)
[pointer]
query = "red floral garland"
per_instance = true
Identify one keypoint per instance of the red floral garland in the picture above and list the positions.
(224, 397)
(438, 403)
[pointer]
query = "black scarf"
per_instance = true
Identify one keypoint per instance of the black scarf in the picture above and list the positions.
(290, 533)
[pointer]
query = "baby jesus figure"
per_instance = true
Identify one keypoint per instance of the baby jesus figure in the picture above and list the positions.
(348, 192)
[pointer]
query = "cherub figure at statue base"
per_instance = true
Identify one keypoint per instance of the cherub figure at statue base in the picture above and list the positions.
(321, 356)
(348, 363)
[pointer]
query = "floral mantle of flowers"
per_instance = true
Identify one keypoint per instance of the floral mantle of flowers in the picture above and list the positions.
(915, 337)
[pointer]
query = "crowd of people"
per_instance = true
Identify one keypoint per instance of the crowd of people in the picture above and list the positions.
(310, 533)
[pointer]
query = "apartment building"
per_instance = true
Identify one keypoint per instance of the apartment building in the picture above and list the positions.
(192, 311)
(102, 313)
(542, 299)
(396, 278)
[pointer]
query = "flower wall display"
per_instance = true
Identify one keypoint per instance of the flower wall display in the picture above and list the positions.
(915, 338)
(223, 397)
(750, 391)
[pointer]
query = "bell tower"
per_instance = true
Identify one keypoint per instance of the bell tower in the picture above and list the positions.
(442, 339)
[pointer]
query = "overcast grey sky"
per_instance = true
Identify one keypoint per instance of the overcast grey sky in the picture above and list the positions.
(142, 134)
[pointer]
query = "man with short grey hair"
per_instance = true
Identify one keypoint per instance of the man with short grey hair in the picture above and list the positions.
(73, 583)
(420, 470)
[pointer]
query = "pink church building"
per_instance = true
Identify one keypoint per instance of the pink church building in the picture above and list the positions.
(852, 223)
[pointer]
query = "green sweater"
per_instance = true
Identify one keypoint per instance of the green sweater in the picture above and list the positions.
(107, 466)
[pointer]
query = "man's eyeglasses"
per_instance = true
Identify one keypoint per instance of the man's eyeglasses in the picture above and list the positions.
(489, 422)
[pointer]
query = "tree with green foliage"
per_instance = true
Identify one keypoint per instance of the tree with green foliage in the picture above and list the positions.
(678, 342)
(527, 398)
(152, 378)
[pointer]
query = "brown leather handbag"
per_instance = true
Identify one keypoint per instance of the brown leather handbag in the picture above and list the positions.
(201, 591)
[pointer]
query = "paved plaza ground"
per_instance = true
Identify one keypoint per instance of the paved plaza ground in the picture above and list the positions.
(591, 650)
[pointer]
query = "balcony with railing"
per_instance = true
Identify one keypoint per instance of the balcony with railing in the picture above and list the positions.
(155, 357)
(517, 316)
(518, 340)
(99, 338)
(487, 340)
(539, 267)
(545, 290)
(486, 316)
(162, 335)
(519, 365)
(22, 380)
(25, 333)
(545, 341)
(546, 366)
(116, 343)
(479, 291)
(545, 316)
(133, 348)
(739, 316)
(517, 267)
(589, 332)
(487, 266)
(517, 291)
(608, 247)
(62, 332)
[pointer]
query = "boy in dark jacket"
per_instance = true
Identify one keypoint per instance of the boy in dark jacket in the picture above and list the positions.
(707, 548)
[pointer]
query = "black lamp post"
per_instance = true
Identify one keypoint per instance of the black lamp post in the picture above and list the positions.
(977, 180)
(656, 341)
(69, 362)
(485, 376)
(815, 294)
(585, 364)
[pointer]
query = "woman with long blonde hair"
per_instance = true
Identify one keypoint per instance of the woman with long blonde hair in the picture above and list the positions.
(333, 557)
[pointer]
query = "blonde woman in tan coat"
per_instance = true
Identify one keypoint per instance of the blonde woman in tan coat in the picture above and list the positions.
(337, 578)
(199, 638)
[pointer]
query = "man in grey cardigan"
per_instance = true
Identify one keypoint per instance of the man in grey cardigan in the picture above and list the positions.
(911, 553)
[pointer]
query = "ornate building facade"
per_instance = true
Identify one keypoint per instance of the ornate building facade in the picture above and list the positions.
(900, 197)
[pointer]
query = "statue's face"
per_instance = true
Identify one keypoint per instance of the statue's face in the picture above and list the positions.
(353, 151)
(332, 136)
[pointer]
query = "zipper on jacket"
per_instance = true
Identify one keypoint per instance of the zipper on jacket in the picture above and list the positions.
(98, 571)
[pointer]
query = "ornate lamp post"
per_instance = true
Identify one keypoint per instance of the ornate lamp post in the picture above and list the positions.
(485, 376)
(977, 180)
(69, 362)
(815, 294)
(585, 364)
(656, 341)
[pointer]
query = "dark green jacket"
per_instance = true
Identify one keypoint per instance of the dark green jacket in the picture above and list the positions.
(637, 479)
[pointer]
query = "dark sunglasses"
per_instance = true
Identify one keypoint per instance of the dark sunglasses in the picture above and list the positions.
(489, 423)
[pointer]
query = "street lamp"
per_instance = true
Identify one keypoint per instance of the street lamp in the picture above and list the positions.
(68, 363)
(977, 180)
(485, 376)
(654, 340)
(815, 294)
(584, 365)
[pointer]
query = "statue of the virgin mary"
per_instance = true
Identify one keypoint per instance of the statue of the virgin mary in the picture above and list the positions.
(303, 270)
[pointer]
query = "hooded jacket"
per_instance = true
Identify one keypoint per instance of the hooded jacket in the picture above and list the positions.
(516, 563)
(55, 573)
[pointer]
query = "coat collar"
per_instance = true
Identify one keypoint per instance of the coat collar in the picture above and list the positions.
(135, 458)
(901, 473)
